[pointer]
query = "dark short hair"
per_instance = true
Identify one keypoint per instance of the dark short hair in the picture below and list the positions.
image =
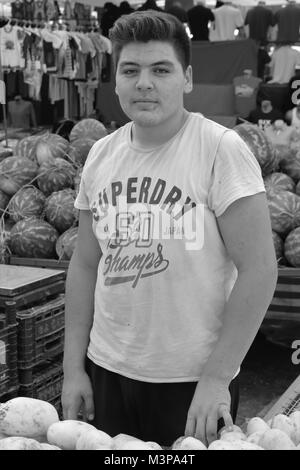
(151, 25)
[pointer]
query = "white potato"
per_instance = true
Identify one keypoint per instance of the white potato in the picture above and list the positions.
(282, 422)
(256, 424)
(135, 444)
(233, 436)
(275, 439)
(222, 445)
(26, 417)
(233, 428)
(188, 443)
(93, 439)
(19, 443)
(255, 437)
(121, 438)
(65, 434)
(46, 446)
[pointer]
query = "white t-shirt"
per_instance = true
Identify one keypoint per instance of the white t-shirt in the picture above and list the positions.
(227, 19)
(159, 298)
(283, 63)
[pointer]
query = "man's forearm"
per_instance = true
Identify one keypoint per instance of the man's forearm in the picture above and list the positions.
(80, 288)
(242, 317)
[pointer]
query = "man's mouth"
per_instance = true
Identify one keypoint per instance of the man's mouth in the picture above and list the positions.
(145, 101)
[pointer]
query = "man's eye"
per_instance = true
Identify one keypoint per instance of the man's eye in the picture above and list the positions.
(161, 70)
(129, 71)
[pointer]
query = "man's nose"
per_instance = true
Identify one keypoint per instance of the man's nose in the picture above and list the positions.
(144, 81)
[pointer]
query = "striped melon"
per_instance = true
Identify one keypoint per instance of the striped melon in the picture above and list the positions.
(279, 182)
(51, 146)
(65, 244)
(27, 202)
(4, 200)
(291, 164)
(292, 247)
(59, 209)
(79, 149)
(90, 128)
(15, 172)
(33, 238)
(26, 147)
(278, 245)
(261, 147)
(284, 208)
(54, 175)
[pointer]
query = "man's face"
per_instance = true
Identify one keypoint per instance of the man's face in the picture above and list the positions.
(151, 82)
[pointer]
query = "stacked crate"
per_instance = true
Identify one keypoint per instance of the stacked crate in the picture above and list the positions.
(32, 310)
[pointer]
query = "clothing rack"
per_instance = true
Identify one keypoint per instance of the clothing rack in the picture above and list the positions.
(85, 73)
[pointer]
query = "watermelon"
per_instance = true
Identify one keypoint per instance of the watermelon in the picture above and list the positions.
(279, 182)
(292, 247)
(90, 128)
(65, 244)
(59, 209)
(284, 208)
(51, 146)
(4, 200)
(26, 147)
(33, 238)
(15, 172)
(278, 245)
(79, 150)
(261, 147)
(291, 164)
(27, 202)
(54, 175)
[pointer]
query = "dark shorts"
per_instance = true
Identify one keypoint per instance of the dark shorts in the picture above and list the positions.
(149, 411)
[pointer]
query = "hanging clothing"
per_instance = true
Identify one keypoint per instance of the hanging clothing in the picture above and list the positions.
(17, 10)
(68, 14)
(259, 19)
(10, 47)
(283, 63)
(21, 114)
(29, 10)
(227, 19)
(39, 10)
(288, 21)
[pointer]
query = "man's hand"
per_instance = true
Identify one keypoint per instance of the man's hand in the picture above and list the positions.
(77, 395)
(210, 403)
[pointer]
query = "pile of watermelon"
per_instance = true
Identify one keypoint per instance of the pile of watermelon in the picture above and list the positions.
(281, 171)
(37, 192)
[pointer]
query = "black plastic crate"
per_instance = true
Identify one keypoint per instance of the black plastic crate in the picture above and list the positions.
(46, 384)
(8, 355)
(40, 334)
(10, 393)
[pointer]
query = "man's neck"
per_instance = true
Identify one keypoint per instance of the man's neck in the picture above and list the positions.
(149, 137)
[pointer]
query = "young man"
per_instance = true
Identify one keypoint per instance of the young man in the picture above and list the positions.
(174, 267)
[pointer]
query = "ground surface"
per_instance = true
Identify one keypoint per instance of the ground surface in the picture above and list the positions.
(266, 373)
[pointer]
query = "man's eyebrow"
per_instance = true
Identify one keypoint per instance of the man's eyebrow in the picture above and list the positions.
(160, 62)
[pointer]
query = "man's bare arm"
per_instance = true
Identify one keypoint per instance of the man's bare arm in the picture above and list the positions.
(246, 231)
(80, 287)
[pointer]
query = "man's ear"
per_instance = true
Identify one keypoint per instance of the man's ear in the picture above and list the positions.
(188, 86)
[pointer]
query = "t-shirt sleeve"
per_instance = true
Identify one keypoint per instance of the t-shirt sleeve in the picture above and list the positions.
(236, 173)
(81, 201)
